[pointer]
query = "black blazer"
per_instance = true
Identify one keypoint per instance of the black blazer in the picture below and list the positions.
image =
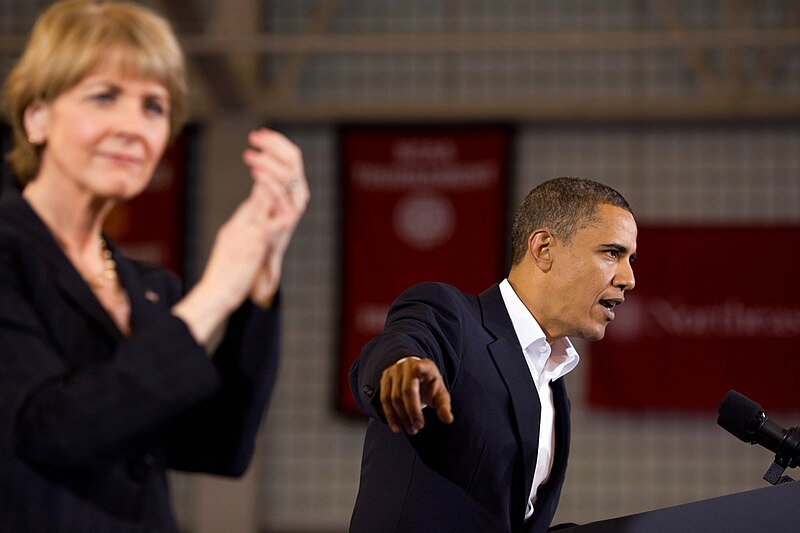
(475, 474)
(89, 419)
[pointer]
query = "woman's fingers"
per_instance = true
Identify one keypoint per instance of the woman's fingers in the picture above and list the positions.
(274, 158)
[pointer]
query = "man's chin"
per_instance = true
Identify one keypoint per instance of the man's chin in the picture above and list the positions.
(595, 335)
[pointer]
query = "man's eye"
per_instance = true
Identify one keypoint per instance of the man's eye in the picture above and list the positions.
(613, 253)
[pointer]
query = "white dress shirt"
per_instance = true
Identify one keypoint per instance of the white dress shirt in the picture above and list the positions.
(546, 362)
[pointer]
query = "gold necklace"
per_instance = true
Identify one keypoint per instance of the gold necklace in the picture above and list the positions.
(109, 274)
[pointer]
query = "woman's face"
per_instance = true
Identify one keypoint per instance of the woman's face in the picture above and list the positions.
(105, 135)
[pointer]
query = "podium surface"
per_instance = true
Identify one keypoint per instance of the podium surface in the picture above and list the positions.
(761, 510)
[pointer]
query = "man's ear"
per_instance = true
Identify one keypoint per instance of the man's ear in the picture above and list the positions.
(36, 118)
(540, 245)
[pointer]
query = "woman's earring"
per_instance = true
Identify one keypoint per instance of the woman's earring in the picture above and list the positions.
(35, 139)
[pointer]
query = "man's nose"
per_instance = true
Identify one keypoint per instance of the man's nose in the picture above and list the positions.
(624, 278)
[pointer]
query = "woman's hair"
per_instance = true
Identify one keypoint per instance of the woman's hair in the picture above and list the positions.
(68, 41)
(562, 206)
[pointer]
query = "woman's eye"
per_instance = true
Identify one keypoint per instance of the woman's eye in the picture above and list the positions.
(104, 97)
(155, 107)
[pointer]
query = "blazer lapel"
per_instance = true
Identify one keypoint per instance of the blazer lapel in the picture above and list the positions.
(144, 301)
(510, 362)
(76, 289)
(19, 215)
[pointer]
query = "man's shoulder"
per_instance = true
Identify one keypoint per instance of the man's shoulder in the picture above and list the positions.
(442, 298)
(436, 291)
(434, 287)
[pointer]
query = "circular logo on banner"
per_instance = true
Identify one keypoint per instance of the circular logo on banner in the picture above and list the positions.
(424, 220)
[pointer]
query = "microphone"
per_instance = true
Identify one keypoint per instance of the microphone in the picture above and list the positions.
(747, 421)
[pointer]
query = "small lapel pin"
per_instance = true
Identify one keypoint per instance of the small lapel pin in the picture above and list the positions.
(151, 296)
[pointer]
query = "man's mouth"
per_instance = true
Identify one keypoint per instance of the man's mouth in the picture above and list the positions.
(610, 304)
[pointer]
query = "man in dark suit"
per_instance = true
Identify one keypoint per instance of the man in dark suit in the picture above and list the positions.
(469, 427)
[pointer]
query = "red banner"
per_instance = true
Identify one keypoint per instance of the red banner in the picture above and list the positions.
(714, 309)
(420, 204)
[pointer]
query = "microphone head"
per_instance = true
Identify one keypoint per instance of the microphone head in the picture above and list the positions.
(740, 416)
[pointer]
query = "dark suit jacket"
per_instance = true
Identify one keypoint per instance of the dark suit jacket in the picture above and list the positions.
(90, 419)
(475, 474)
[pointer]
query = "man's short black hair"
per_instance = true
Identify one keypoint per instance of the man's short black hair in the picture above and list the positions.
(562, 206)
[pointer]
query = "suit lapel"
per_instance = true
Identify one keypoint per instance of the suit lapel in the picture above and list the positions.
(548, 495)
(144, 301)
(17, 213)
(510, 362)
(75, 288)
(562, 426)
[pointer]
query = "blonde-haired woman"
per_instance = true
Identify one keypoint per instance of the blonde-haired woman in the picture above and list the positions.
(107, 374)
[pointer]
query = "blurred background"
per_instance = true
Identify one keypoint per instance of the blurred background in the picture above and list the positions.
(689, 108)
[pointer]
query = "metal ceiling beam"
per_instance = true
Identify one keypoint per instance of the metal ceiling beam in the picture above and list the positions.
(697, 57)
(226, 47)
(284, 43)
(297, 61)
(688, 108)
(771, 58)
(226, 79)
(414, 42)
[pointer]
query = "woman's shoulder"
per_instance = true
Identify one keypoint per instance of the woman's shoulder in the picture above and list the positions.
(16, 249)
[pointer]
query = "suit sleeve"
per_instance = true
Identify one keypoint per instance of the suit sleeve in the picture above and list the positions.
(218, 436)
(425, 321)
(62, 415)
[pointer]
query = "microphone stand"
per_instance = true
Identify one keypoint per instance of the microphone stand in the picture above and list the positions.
(773, 474)
(787, 457)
